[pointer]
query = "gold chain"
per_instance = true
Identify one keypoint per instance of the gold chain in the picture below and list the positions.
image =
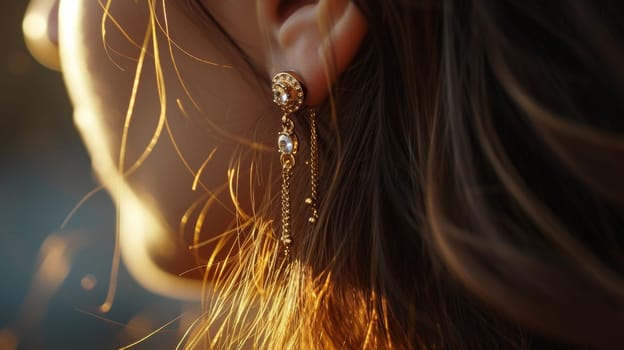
(288, 94)
(288, 162)
(312, 200)
(285, 237)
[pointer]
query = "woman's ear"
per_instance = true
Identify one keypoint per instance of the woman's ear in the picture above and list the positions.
(316, 39)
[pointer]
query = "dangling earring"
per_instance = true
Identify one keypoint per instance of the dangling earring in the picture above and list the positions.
(289, 95)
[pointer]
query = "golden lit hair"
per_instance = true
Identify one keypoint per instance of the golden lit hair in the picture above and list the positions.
(437, 231)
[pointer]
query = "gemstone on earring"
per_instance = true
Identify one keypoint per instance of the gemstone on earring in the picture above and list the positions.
(287, 143)
(284, 96)
(281, 95)
(288, 92)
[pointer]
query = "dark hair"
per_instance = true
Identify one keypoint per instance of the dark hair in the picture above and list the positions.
(471, 162)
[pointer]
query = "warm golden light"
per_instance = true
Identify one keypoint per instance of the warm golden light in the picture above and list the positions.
(55, 258)
(139, 228)
(88, 282)
(35, 28)
(138, 326)
(8, 340)
(55, 263)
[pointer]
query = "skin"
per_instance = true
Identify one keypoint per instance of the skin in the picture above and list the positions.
(153, 199)
(229, 110)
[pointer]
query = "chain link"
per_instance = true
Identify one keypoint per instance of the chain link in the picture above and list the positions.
(288, 94)
(312, 201)
(285, 236)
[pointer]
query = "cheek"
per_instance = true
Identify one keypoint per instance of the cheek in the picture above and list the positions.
(202, 84)
(98, 60)
(243, 24)
(112, 46)
(210, 104)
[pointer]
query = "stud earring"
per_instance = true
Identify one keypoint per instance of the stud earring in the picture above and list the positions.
(289, 95)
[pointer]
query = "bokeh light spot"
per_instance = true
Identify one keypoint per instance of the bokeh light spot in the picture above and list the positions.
(88, 282)
(8, 340)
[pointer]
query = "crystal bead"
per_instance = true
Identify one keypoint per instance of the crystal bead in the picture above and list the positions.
(285, 143)
(281, 96)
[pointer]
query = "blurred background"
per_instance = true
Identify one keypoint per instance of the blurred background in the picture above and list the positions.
(54, 280)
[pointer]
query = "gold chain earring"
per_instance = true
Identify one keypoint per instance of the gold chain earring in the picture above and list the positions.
(312, 200)
(289, 95)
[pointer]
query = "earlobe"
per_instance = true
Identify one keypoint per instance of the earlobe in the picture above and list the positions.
(317, 39)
